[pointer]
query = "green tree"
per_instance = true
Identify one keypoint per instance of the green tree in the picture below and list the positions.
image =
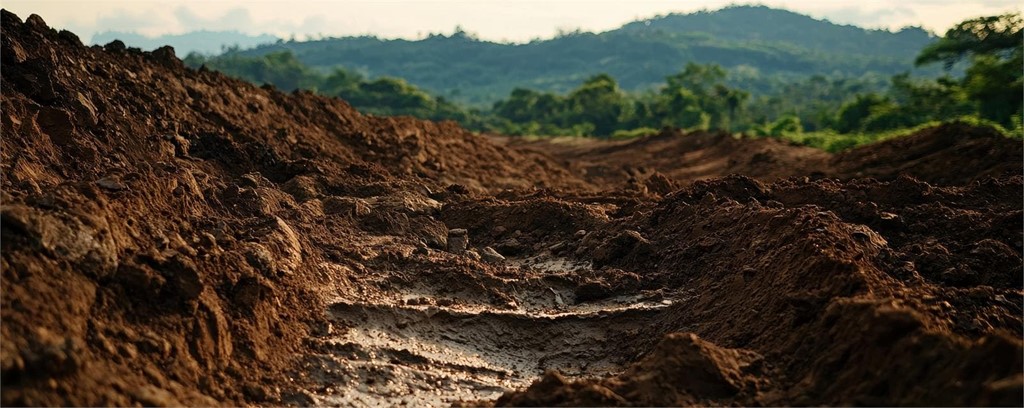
(852, 114)
(994, 47)
(600, 102)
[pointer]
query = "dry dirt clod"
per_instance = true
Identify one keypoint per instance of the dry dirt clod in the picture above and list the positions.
(458, 240)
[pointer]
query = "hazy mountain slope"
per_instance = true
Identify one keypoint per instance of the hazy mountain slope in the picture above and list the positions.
(767, 42)
(761, 23)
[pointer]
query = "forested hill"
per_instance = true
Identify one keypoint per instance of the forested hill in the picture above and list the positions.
(766, 25)
(754, 42)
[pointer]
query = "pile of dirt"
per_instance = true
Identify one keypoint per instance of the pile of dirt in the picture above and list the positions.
(167, 232)
(176, 237)
(950, 154)
(977, 151)
(866, 293)
(682, 157)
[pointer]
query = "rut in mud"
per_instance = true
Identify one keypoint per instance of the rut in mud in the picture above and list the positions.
(177, 237)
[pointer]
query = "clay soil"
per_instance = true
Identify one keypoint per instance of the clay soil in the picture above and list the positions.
(177, 237)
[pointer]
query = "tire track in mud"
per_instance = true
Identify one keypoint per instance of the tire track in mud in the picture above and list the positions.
(408, 353)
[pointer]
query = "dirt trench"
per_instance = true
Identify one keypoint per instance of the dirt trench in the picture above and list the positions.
(176, 237)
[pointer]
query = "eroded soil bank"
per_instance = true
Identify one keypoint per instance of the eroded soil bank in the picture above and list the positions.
(177, 237)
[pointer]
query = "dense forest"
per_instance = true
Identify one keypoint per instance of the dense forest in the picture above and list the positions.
(813, 110)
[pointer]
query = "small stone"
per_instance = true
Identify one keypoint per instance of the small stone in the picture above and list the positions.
(112, 183)
(85, 111)
(558, 298)
(489, 255)
(581, 233)
(458, 240)
(472, 253)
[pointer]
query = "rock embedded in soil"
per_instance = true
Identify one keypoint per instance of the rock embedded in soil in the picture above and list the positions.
(489, 255)
(111, 183)
(458, 240)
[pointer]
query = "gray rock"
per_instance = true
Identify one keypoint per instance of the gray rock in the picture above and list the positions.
(489, 255)
(112, 183)
(558, 298)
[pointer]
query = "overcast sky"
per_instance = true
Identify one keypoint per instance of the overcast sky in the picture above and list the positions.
(490, 19)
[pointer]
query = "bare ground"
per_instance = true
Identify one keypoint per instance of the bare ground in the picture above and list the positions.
(177, 237)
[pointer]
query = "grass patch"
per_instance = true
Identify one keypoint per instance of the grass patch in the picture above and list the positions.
(834, 142)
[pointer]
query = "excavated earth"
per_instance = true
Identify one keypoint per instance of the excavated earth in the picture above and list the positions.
(177, 237)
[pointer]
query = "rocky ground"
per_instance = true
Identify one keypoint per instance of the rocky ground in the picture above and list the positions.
(177, 237)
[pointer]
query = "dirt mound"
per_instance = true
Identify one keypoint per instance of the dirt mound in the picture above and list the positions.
(681, 370)
(682, 157)
(948, 154)
(176, 237)
(159, 222)
(831, 292)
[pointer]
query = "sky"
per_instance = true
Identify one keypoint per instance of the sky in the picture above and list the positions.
(495, 20)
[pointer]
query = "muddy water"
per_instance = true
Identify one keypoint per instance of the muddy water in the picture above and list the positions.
(382, 354)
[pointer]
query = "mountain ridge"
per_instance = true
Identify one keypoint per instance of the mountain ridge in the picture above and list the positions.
(640, 54)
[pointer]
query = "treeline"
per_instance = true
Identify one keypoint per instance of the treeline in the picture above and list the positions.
(991, 88)
(380, 96)
(699, 96)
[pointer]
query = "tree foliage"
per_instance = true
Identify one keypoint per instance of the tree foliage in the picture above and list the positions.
(983, 36)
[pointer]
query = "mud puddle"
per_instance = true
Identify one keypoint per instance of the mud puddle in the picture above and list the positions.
(405, 353)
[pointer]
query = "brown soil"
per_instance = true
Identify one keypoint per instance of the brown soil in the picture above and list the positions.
(978, 153)
(177, 237)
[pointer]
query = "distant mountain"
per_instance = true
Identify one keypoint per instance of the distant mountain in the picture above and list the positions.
(755, 42)
(203, 42)
(759, 24)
